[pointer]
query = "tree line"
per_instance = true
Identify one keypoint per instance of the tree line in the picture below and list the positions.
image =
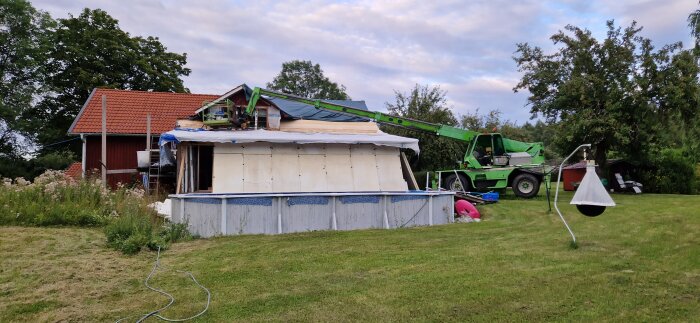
(48, 68)
(621, 93)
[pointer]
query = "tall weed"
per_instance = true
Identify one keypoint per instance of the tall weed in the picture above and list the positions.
(56, 200)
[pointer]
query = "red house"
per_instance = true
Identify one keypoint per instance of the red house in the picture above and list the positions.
(126, 126)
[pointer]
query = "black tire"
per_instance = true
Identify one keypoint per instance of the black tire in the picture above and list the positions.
(452, 184)
(526, 185)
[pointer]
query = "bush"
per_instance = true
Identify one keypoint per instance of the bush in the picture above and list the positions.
(672, 172)
(131, 233)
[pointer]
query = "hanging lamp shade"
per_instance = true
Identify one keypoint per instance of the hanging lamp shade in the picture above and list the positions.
(591, 197)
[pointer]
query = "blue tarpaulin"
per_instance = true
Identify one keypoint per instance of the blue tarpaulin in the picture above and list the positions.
(298, 110)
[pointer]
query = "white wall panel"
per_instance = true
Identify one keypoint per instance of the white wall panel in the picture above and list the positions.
(263, 167)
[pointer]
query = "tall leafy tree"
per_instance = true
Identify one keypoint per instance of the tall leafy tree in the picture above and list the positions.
(427, 103)
(306, 79)
(91, 51)
(23, 46)
(610, 93)
(694, 24)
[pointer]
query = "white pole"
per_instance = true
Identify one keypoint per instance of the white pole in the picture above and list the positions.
(82, 160)
(556, 192)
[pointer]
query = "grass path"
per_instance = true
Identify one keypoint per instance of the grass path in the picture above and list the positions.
(639, 261)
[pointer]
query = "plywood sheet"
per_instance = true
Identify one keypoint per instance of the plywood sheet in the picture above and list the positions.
(315, 126)
(189, 124)
(312, 149)
(364, 169)
(257, 168)
(257, 173)
(338, 149)
(389, 172)
(285, 149)
(220, 148)
(256, 148)
(285, 170)
(312, 172)
(339, 172)
(227, 175)
(339, 168)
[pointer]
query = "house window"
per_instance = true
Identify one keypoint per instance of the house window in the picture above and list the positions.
(260, 118)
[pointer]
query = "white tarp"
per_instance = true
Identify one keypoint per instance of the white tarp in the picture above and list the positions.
(163, 208)
(248, 136)
(591, 191)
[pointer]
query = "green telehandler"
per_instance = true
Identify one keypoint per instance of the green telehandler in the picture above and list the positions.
(491, 162)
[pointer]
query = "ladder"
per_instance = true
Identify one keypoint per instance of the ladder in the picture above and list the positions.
(154, 167)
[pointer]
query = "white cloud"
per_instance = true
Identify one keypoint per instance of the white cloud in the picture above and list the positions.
(376, 47)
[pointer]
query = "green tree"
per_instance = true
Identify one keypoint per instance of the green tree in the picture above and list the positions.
(542, 132)
(306, 79)
(610, 93)
(91, 51)
(429, 104)
(493, 121)
(694, 24)
(23, 45)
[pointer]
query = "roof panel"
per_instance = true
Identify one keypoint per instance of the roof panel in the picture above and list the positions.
(127, 110)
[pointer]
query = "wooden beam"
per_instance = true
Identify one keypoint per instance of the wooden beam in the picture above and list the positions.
(312, 126)
(180, 168)
(122, 171)
(148, 132)
(104, 140)
(408, 173)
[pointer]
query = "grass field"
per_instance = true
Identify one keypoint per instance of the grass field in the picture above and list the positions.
(639, 261)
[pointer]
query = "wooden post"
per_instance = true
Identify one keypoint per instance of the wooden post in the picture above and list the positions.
(180, 168)
(104, 140)
(148, 133)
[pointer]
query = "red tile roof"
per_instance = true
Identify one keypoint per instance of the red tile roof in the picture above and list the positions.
(127, 110)
(74, 171)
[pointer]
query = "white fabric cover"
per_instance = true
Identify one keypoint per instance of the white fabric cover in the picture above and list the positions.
(248, 136)
(591, 191)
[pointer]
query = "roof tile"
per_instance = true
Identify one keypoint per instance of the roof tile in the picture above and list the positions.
(127, 110)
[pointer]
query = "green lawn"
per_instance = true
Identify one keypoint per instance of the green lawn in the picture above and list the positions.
(639, 261)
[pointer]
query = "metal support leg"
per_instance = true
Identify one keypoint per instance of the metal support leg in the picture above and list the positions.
(224, 219)
(430, 210)
(279, 215)
(334, 220)
(386, 215)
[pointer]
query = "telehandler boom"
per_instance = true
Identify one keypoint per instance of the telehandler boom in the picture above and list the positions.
(491, 162)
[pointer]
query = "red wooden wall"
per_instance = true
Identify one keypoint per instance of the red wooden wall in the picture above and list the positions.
(121, 154)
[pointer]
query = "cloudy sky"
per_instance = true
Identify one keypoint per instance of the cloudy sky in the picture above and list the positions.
(376, 47)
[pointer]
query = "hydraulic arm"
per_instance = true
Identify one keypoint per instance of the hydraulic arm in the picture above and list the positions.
(491, 162)
(436, 129)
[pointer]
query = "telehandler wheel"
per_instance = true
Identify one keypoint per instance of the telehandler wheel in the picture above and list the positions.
(526, 185)
(452, 184)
